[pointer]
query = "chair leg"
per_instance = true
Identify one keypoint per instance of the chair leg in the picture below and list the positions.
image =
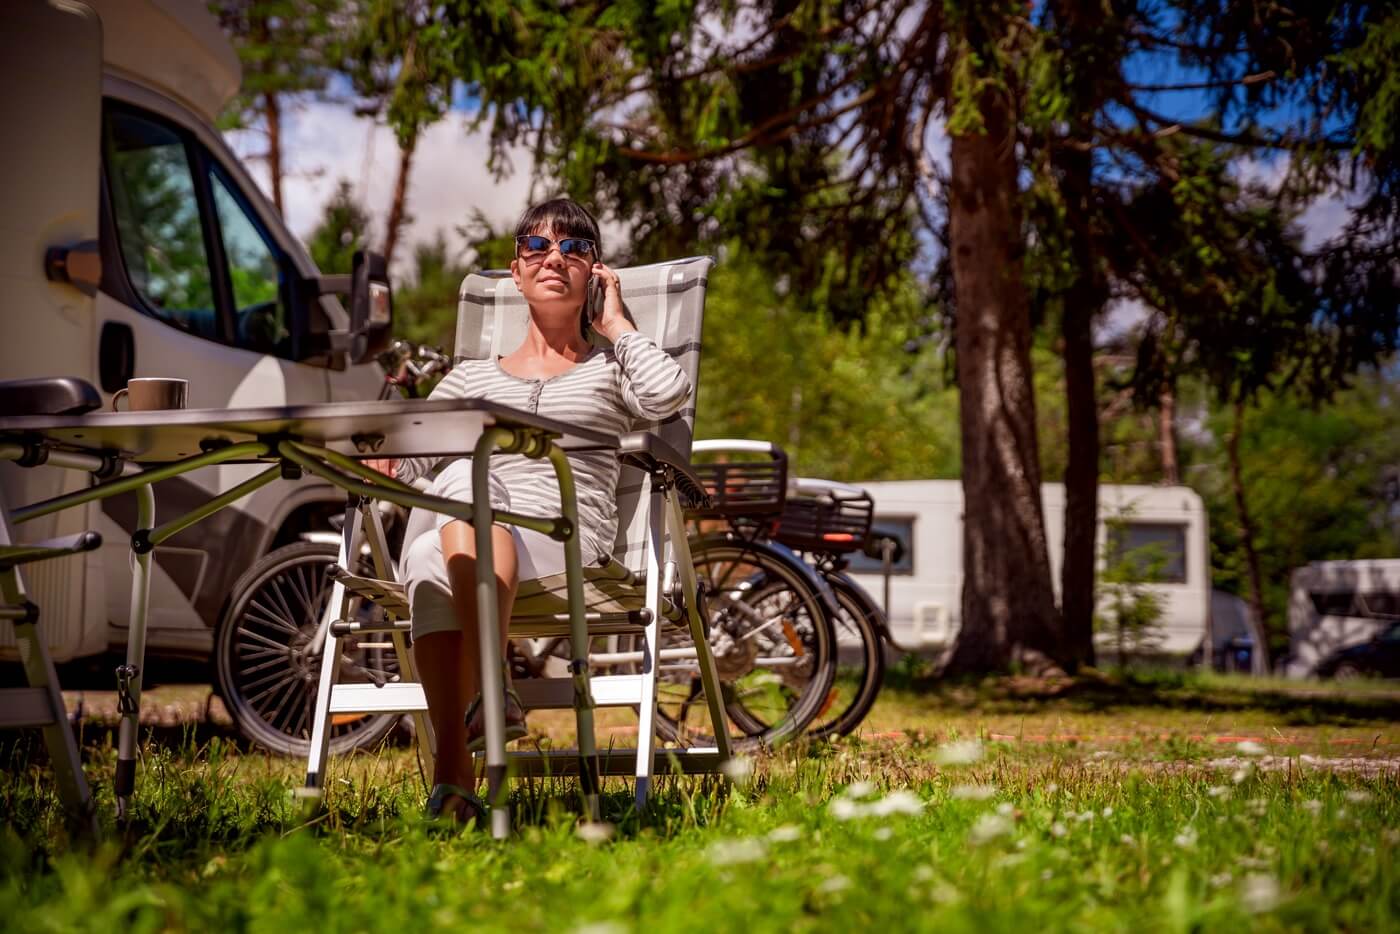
(651, 661)
(488, 634)
(329, 647)
(709, 674)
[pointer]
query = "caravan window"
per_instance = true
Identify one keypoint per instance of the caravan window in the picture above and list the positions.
(901, 527)
(161, 236)
(1154, 552)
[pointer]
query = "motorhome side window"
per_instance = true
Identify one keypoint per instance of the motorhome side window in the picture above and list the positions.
(901, 527)
(158, 222)
(1149, 552)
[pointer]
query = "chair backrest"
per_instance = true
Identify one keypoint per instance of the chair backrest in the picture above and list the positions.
(667, 302)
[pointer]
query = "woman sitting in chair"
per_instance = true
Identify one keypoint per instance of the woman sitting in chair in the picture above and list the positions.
(558, 374)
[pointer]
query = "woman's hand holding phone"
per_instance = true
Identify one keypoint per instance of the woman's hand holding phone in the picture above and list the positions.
(609, 317)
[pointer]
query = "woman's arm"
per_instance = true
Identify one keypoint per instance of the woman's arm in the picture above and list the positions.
(653, 384)
(453, 386)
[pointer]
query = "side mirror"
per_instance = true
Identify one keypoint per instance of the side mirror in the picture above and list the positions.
(371, 307)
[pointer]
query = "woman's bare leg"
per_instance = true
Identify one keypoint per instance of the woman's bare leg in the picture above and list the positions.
(448, 661)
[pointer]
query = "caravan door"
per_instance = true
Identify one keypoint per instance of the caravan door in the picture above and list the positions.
(51, 72)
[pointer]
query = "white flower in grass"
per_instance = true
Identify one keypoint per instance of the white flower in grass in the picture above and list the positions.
(1257, 806)
(735, 852)
(594, 832)
(1250, 748)
(785, 834)
(962, 752)
(1051, 788)
(1218, 791)
(923, 873)
(1312, 806)
(882, 833)
(846, 809)
(1220, 880)
(1085, 817)
(602, 927)
(987, 828)
(860, 789)
(835, 884)
(1127, 840)
(973, 792)
(1006, 809)
(1107, 812)
(738, 769)
(1058, 829)
(1186, 839)
(1358, 796)
(899, 801)
(1241, 773)
(1259, 893)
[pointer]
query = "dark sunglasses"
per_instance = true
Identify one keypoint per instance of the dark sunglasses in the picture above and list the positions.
(531, 246)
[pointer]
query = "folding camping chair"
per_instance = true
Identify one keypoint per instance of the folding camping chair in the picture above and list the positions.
(649, 582)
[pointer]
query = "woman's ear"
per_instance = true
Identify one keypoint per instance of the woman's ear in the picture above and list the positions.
(515, 272)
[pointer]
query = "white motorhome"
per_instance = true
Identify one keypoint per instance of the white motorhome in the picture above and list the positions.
(116, 180)
(1333, 605)
(926, 583)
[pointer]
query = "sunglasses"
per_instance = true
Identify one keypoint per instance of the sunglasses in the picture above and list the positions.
(533, 247)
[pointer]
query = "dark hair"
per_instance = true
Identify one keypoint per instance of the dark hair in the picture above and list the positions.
(564, 216)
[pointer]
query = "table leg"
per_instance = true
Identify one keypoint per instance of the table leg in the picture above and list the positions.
(129, 674)
(489, 634)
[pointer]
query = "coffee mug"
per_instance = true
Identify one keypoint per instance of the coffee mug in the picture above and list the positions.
(148, 395)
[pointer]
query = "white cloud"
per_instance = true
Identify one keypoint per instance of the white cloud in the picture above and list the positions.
(325, 142)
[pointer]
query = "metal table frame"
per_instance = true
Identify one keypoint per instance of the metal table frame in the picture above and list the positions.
(279, 435)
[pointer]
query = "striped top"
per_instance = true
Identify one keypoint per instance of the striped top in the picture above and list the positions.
(607, 391)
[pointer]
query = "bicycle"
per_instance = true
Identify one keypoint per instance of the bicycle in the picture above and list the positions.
(826, 522)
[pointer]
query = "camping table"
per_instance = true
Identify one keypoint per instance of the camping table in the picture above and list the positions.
(138, 449)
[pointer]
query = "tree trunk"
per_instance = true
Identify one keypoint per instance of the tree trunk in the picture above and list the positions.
(1082, 301)
(1008, 605)
(1166, 435)
(272, 116)
(1256, 579)
(397, 208)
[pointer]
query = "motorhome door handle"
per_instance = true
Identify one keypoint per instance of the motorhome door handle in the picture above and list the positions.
(79, 265)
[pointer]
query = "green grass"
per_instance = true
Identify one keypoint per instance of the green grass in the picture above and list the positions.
(1116, 829)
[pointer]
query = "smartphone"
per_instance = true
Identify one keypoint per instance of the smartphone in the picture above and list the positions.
(594, 307)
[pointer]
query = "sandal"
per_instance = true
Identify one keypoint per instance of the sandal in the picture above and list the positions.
(515, 721)
(438, 799)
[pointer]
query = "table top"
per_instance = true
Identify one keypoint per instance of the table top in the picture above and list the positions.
(393, 428)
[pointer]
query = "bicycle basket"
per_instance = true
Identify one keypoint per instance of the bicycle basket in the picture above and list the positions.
(833, 518)
(743, 481)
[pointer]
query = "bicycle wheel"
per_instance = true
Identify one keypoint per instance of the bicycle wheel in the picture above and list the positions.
(773, 644)
(263, 668)
(860, 666)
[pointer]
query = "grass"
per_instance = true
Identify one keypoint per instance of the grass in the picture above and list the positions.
(1104, 804)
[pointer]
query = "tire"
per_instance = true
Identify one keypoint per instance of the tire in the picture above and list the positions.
(1348, 671)
(266, 680)
(860, 624)
(773, 642)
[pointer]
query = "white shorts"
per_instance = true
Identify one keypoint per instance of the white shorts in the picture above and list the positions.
(423, 569)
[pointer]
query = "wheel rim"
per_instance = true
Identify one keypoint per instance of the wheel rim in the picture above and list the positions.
(271, 670)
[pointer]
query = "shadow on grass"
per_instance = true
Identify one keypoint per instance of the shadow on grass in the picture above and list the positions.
(1102, 692)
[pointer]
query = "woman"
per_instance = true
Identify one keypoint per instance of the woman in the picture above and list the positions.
(557, 373)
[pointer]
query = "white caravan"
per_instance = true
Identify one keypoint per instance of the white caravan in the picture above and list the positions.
(115, 179)
(926, 584)
(1333, 605)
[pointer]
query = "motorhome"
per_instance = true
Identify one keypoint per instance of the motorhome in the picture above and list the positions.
(134, 244)
(1333, 605)
(925, 584)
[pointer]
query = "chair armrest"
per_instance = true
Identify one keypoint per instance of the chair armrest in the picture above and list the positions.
(646, 451)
